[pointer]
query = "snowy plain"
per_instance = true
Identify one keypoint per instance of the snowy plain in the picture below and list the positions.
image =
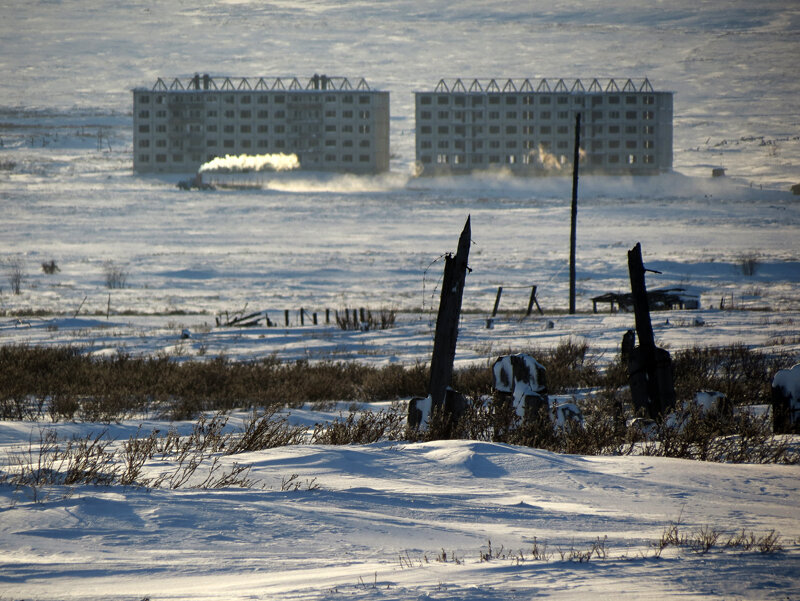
(383, 513)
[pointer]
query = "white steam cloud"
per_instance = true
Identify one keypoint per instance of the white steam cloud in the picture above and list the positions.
(248, 163)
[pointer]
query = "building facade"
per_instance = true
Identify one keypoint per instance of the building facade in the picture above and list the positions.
(530, 129)
(328, 123)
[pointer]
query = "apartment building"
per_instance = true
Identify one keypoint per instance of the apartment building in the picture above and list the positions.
(529, 128)
(328, 123)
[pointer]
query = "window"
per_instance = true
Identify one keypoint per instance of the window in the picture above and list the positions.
(144, 143)
(630, 144)
(494, 129)
(144, 114)
(647, 115)
(630, 114)
(279, 129)
(363, 129)
(494, 100)
(527, 115)
(263, 129)
(613, 129)
(511, 159)
(246, 144)
(544, 100)
(425, 129)
(161, 158)
(245, 129)
(494, 114)
(631, 159)
(228, 129)
(363, 158)
(442, 99)
(424, 114)
(425, 100)
(229, 114)
(330, 143)
(443, 144)
(425, 144)
(545, 130)
(511, 100)
(144, 129)
(649, 100)
(347, 114)
(426, 159)
(330, 128)
(348, 129)
(443, 129)
(630, 99)
(460, 101)
(441, 159)
(563, 100)
(144, 98)
(144, 158)
(227, 143)
(347, 158)
(649, 159)
(613, 143)
(597, 115)
(477, 101)
(511, 129)
(263, 144)
(228, 99)
(330, 158)
(263, 114)
(545, 115)
(280, 114)
(511, 114)
(563, 129)
(630, 129)
(263, 99)
(281, 99)
(161, 143)
(363, 99)
(613, 114)
(443, 114)
(347, 143)
(613, 100)
(363, 114)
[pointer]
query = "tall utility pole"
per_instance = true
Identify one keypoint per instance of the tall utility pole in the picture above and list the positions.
(574, 221)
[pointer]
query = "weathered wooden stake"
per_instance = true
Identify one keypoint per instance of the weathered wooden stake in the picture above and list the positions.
(286, 317)
(444, 342)
(497, 300)
(650, 368)
(531, 301)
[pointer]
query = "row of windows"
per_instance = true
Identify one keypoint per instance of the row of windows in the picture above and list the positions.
(260, 114)
(530, 159)
(531, 99)
(266, 98)
(476, 116)
(513, 130)
(180, 158)
(511, 144)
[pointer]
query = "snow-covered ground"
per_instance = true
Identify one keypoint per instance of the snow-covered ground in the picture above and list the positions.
(68, 195)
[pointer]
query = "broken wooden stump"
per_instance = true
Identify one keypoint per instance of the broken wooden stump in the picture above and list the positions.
(441, 398)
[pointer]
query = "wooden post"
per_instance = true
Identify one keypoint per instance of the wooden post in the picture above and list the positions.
(327, 316)
(650, 368)
(302, 318)
(497, 300)
(286, 317)
(574, 219)
(531, 302)
(314, 318)
(444, 342)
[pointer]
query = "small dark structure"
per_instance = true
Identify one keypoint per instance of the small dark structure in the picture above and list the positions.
(796, 189)
(657, 300)
(718, 172)
(786, 401)
(649, 368)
